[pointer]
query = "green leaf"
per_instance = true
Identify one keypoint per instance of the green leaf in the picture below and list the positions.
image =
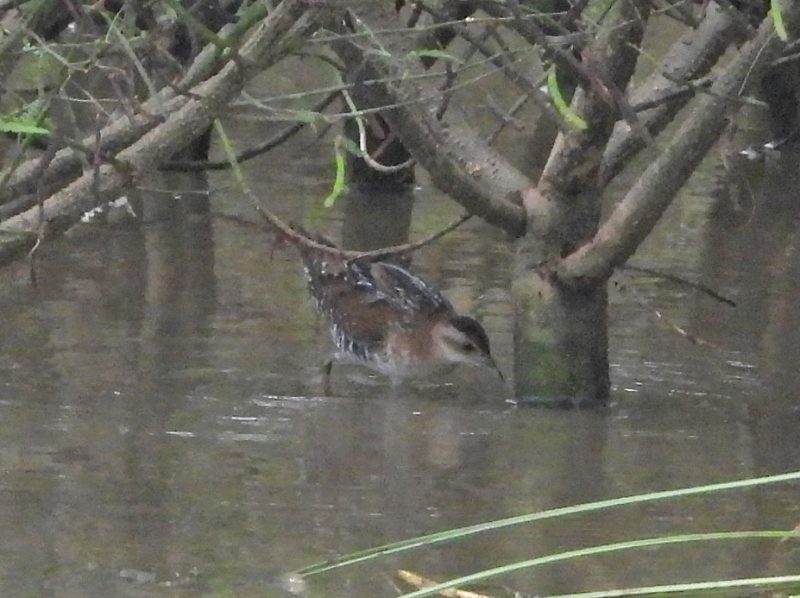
(440, 54)
(307, 116)
(22, 127)
(338, 181)
(33, 111)
(351, 147)
(572, 117)
(230, 154)
(777, 19)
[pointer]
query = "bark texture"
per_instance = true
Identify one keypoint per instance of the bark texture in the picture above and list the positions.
(636, 215)
(291, 22)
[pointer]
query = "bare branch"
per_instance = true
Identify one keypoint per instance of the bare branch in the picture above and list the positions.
(634, 217)
(575, 158)
(462, 165)
(118, 134)
(505, 64)
(261, 148)
(706, 290)
(690, 57)
(292, 20)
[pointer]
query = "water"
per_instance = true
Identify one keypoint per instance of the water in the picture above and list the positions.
(162, 431)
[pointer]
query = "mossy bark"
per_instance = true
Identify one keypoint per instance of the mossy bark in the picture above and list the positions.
(560, 334)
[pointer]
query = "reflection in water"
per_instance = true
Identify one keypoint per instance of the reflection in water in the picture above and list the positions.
(161, 429)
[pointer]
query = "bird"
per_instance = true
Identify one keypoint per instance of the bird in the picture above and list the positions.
(385, 317)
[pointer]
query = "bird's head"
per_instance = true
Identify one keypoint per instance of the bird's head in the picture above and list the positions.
(461, 339)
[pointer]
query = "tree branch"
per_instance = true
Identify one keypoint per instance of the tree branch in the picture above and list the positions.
(290, 21)
(120, 133)
(459, 163)
(690, 57)
(636, 215)
(575, 157)
(261, 148)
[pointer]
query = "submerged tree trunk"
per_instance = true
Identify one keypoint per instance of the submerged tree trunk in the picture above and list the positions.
(560, 336)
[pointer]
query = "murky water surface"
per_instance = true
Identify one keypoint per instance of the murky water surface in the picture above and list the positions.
(162, 431)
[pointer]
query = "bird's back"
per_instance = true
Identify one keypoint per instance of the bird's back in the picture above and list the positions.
(366, 301)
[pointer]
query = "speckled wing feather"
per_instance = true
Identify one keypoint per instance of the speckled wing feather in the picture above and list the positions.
(407, 292)
(364, 300)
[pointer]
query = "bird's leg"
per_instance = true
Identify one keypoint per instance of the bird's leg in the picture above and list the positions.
(326, 376)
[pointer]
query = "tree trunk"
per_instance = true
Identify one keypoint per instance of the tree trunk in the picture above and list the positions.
(561, 332)
(560, 336)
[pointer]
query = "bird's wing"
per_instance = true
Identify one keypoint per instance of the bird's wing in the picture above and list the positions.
(367, 300)
(361, 315)
(407, 292)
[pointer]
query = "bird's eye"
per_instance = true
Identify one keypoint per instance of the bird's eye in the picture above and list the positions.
(468, 347)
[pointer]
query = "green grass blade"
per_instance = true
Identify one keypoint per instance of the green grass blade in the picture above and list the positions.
(482, 576)
(777, 20)
(230, 154)
(563, 107)
(692, 588)
(462, 532)
(338, 180)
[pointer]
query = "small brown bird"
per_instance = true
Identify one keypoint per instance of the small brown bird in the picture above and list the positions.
(389, 319)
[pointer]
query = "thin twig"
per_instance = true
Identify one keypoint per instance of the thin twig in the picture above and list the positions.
(506, 65)
(592, 77)
(475, 20)
(44, 162)
(516, 52)
(447, 87)
(681, 331)
(421, 583)
(131, 54)
(376, 254)
(695, 340)
(125, 99)
(222, 44)
(682, 282)
(272, 142)
(680, 92)
(286, 231)
(97, 160)
(506, 117)
(362, 142)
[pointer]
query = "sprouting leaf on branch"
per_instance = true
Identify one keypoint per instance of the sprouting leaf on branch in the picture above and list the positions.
(28, 120)
(439, 54)
(338, 181)
(22, 127)
(351, 147)
(777, 20)
(572, 117)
